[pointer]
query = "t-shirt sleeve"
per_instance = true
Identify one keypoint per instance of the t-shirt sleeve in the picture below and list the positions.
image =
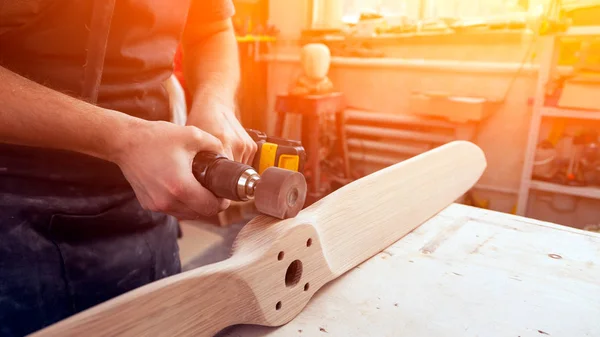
(212, 10)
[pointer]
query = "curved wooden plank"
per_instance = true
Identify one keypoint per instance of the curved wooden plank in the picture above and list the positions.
(277, 265)
(177, 306)
(360, 220)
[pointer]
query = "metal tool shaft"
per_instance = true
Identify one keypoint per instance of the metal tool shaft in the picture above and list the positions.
(247, 184)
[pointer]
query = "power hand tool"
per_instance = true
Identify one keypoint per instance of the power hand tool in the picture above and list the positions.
(275, 181)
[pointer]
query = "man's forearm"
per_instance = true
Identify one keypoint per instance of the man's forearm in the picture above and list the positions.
(211, 65)
(34, 115)
(212, 70)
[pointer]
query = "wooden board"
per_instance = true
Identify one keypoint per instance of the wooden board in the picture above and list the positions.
(278, 265)
(466, 272)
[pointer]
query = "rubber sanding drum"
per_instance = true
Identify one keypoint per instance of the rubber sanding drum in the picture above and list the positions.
(280, 193)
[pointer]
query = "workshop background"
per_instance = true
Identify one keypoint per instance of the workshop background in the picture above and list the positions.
(518, 78)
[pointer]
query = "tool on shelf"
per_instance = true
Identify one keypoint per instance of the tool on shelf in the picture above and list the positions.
(574, 161)
(275, 182)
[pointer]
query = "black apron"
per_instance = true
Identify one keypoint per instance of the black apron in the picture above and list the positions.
(72, 233)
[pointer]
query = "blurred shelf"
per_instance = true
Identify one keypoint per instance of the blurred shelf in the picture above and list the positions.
(581, 31)
(255, 38)
(570, 113)
(549, 57)
(586, 192)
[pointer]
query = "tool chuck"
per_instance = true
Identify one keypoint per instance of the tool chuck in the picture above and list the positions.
(277, 192)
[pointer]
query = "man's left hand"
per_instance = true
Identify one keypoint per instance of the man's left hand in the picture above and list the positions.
(219, 120)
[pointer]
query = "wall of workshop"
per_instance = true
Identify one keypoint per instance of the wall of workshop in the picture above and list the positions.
(387, 90)
(461, 70)
(502, 137)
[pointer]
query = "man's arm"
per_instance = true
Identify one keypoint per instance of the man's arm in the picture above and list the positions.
(212, 72)
(211, 62)
(34, 115)
(155, 157)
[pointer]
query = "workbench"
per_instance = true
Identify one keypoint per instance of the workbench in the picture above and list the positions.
(465, 272)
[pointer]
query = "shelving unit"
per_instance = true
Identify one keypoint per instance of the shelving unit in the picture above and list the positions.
(570, 113)
(586, 192)
(547, 67)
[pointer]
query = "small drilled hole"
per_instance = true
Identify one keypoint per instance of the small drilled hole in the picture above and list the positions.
(278, 305)
(293, 273)
(308, 242)
(292, 197)
(280, 256)
(306, 286)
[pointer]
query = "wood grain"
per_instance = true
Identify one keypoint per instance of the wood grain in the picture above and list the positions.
(466, 272)
(278, 265)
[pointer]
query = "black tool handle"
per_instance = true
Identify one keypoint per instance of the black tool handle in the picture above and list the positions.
(218, 174)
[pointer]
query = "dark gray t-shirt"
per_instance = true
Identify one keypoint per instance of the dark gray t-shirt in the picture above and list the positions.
(113, 53)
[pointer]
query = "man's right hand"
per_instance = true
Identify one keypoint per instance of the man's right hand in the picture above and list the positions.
(156, 158)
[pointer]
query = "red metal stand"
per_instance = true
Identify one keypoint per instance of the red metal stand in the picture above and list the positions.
(314, 110)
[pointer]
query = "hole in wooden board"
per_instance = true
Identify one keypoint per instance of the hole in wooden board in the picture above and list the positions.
(280, 256)
(306, 286)
(293, 273)
(278, 305)
(308, 242)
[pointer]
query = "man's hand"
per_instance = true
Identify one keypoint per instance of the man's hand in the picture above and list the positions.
(220, 121)
(156, 158)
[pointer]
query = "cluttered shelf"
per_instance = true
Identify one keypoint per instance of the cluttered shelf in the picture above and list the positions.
(503, 36)
(581, 31)
(580, 191)
(375, 25)
(570, 113)
(255, 38)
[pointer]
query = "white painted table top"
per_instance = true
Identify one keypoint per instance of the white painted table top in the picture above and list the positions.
(465, 272)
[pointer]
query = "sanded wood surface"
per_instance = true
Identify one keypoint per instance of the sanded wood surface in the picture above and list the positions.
(278, 265)
(466, 272)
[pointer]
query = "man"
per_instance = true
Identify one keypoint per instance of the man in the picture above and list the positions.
(92, 174)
